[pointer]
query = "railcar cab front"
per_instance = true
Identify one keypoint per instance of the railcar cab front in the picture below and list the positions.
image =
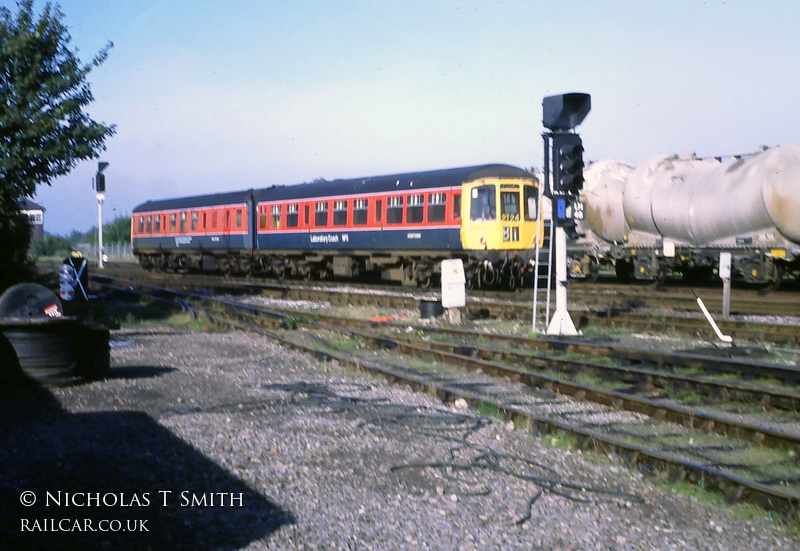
(500, 214)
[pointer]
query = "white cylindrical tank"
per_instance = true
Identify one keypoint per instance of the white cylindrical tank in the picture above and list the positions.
(604, 182)
(699, 202)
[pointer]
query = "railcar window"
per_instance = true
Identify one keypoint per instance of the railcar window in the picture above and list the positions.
(509, 206)
(172, 219)
(141, 224)
(262, 217)
(394, 210)
(483, 203)
(305, 215)
(157, 224)
(436, 205)
(183, 222)
(360, 212)
(414, 211)
(275, 219)
(457, 207)
(205, 220)
(340, 213)
(321, 213)
(194, 221)
(227, 219)
(238, 218)
(148, 224)
(291, 216)
(531, 195)
(214, 219)
(378, 211)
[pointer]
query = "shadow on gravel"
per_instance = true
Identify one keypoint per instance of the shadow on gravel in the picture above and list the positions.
(138, 372)
(115, 480)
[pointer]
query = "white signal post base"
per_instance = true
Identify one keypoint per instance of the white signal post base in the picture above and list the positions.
(561, 322)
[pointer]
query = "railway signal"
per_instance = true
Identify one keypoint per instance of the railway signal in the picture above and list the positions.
(567, 164)
(561, 114)
(100, 178)
(100, 193)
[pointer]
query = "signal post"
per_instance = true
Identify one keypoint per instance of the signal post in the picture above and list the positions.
(562, 113)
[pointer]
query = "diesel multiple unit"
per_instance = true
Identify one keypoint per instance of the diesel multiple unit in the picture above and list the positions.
(398, 227)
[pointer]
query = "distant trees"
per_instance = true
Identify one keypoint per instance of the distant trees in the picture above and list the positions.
(53, 245)
(117, 231)
(44, 131)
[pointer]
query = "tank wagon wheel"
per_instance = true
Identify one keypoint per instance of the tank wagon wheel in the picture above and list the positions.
(624, 270)
(594, 271)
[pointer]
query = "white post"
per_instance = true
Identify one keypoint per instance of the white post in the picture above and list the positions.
(100, 198)
(561, 324)
(725, 274)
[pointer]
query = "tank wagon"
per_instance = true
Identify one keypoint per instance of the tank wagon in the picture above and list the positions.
(677, 214)
(397, 227)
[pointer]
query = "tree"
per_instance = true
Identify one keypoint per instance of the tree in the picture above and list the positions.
(44, 131)
(118, 230)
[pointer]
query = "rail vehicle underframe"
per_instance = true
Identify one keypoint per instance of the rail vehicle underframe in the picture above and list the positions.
(754, 265)
(417, 268)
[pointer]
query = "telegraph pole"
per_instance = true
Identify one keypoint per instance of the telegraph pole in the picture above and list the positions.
(100, 193)
(562, 113)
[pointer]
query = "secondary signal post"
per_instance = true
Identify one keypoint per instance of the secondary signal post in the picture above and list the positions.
(561, 114)
(100, 193)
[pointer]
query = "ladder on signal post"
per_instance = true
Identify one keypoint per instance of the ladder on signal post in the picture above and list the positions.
(543, 274)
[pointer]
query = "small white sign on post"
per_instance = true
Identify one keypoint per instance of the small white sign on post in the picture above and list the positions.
(454, 284)
(725, 265)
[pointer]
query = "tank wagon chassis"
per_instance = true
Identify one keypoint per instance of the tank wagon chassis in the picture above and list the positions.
(753, 265)
(398, 227)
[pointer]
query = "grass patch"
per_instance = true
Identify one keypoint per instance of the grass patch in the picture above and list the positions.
(560, 440)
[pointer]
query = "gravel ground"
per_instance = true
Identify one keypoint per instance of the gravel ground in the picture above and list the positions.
(229, 441)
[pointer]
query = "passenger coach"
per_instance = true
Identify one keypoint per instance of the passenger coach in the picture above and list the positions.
(399, 227)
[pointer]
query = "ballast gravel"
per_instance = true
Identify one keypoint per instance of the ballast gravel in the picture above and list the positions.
(202, 440)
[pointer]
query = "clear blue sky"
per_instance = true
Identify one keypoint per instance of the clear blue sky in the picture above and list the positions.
(212, 96)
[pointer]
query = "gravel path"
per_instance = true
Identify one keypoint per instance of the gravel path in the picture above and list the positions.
(228, 441)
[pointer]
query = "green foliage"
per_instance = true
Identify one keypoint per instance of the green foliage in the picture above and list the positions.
(118, 230)
(44, 132)
(15, 237)
(43, 129)
(52, 245)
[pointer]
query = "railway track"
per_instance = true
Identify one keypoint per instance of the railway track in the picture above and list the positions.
(737, 453)
(609, 307)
